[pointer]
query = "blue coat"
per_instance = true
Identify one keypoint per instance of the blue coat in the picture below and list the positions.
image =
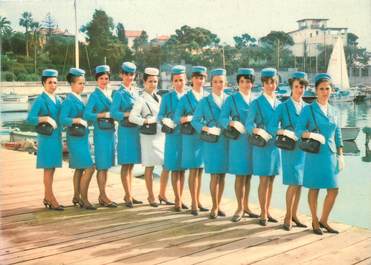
(128, 145)
(266, 160)
(173, 141)
(215, 154)
(78, 147)
(191, 144)
(104, 149)
(321, 170)
(49, 148)
(240, 151)
(292, 161)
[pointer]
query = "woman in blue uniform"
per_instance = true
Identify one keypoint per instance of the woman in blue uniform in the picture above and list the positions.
(152, 141)
(234, 114)
(206, 121)
(266, 159)
(284, 123)
(78, 144)
(128, 145)
(321, 169)
(45, 110)
(97, 111)
(191, 143)
(173, 139)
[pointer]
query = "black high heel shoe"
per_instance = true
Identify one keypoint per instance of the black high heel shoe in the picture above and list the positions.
(221, 213)
(49, 206)
(129, 204)
(87, 206)
(298, 223)
(184, 207)
(328, 228)
(272, 220)
(251, 214)
(153, 204)
(105, 204)
(136, 201)
(263, 222)
(166, 202)
(317, 231)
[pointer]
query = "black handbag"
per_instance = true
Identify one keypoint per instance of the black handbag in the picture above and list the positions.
(187, 128)
(284, 142)
(164, 127)
(77, 130)
(255, 139)
(205, 136)
(231, 132)
(149, 128)
(105, 123)
(45, 128)
(310, 145)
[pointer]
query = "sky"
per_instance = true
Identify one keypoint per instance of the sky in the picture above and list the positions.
(222, 17)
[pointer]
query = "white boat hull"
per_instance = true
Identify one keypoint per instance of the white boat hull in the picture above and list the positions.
(13, 106)
(349, 133)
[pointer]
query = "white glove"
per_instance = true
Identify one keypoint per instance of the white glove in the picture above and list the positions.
(266, 136)
(151, 120)
(289, 134)
(51, 122)
(318, 137)
(83, 123)
(189, 118)
(107, 115)
(341, 162)
(239, 126)
(214, 130)
(169, 123)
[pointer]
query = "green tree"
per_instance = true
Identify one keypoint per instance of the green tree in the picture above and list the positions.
(5, 28)
(120, 30)
(244, 41)
(141, 42)
(49, 24)
(277, 43)
(26, 21)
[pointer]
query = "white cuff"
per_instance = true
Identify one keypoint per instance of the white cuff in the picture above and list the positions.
(51, 122)
(214, 130)
(289, 134)
(168, 122)
(107, 115)
(151, 120)
(83, 123)
(239, 126)
(266, 136)
(318, 137)
(189, 118)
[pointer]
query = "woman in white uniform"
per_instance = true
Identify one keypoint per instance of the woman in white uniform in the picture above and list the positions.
(152, 140)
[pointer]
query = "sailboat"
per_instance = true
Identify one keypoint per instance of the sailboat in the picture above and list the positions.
(337, 69)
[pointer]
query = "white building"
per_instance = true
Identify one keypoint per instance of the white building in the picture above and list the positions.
(312, 34)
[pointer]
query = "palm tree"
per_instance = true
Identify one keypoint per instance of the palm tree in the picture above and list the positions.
(26, 21)
(5, 27)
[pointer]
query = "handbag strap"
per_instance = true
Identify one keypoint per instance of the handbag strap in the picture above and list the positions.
(288, 113)
(314, 118)
(260, 113)
(106, 107)
(190, 103)
(211, 111)
(235, 107)
(171, 107)
(149, 108)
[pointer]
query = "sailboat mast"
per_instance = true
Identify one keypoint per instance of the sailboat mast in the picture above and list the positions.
(77, 64)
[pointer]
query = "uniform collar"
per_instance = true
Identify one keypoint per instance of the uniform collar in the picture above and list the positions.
(77, 96)
(271, 99)
(51, 96)
(218, 99)
(247, 99)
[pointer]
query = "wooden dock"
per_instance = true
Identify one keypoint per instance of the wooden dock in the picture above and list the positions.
(30, 234)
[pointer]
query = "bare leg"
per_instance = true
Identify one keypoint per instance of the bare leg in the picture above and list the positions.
(270, 190)
(148, 177)
(176, 187)
(163, 183)
(198, 184)
(296, 203)
(221, 188)
(312, 200)
(214, 187)
(193, 187)
(76, 185)
(126, 181)
(290, 198)
(84, 184)
(263, 195)
(239, 189)
(48, 187)
(328, 204)
(247, 183)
